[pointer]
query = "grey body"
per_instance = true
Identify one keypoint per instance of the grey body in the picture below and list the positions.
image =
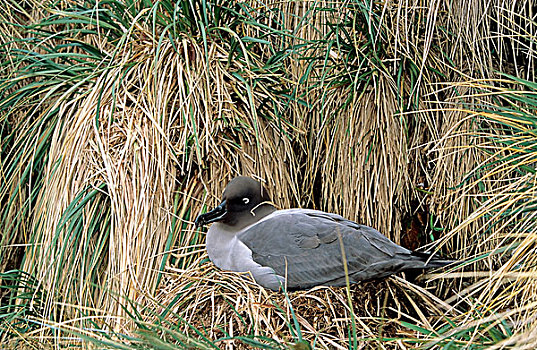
(301, 248)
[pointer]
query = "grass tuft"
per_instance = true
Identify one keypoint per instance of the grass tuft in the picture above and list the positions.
(121, 121)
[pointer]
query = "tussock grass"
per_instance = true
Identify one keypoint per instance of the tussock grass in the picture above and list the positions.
(322, 316)
(121, 121)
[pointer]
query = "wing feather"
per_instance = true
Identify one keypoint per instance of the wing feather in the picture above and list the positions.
(304, 246)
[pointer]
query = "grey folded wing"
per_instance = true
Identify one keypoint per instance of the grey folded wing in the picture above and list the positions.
(305, 247)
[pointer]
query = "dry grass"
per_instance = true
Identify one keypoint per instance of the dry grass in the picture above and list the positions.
(378, 116)
(234, 306)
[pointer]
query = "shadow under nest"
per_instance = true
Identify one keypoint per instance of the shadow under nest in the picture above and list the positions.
(223, 305)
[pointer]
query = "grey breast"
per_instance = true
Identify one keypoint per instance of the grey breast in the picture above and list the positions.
(305, 247)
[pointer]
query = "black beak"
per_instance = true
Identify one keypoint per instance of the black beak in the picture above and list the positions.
(216, 214)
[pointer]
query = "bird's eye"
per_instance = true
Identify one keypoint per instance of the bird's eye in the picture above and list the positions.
(246, 200)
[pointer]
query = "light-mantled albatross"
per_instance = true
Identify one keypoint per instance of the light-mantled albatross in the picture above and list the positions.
(298, 248)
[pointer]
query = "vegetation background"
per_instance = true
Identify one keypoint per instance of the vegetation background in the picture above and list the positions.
(121, 120)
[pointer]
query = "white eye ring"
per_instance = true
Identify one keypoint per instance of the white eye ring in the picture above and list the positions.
(246, 200)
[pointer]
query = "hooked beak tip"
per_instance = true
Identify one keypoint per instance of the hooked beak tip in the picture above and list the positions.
(199, 222)
(212, 216)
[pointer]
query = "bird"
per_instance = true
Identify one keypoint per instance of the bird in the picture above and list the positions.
(298, 249)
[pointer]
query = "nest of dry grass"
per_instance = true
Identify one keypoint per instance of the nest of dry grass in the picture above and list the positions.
(226, 305)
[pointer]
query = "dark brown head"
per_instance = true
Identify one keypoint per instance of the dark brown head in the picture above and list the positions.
(244, 202)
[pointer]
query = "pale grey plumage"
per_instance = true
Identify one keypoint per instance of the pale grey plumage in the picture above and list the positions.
(298, 248)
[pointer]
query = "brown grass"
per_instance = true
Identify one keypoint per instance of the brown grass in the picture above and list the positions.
(225, 302)
(159, 141)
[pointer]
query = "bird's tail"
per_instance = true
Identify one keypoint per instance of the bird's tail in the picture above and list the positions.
(430, 261)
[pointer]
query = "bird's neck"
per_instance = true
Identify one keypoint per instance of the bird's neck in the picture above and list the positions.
(251, 217)
(239, 220)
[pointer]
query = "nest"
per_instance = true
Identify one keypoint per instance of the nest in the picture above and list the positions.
(227, 307)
